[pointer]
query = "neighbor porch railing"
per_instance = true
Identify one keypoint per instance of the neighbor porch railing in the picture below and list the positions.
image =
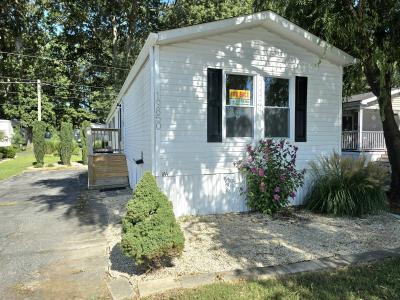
(104, 140)
(369, 141)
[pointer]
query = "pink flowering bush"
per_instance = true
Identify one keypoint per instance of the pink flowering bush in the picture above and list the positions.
(271, 175)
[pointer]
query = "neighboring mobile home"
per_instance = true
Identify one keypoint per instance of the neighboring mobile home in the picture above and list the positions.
(197, 95)
(7, 133)
(362, 126)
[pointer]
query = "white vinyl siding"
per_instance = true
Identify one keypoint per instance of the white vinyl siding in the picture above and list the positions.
(137, 123)
(184, 153)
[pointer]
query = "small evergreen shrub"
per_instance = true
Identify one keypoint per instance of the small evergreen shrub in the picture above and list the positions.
(84, 140)
(150, 232)
(8, 152)
(39, 129)
(66, 143)
(346, 186)
(271, 175)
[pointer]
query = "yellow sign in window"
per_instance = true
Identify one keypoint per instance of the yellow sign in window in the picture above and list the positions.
(239, 97)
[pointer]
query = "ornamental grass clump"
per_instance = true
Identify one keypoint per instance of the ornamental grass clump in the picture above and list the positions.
(150, 233)
(271, 175)
(346, 186)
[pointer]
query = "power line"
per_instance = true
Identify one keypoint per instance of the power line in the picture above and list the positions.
(24, 80)
(62, 60)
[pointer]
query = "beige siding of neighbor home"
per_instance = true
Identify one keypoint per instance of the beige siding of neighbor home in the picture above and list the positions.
(200, 177)
(136, 106)
(395, 104)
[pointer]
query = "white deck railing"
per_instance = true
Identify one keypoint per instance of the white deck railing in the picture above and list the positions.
(373, 140)
(370, 140)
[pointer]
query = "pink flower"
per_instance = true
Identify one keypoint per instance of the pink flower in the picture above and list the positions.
(277, 189)
(277, 197)
(283, 177)
(253, 170)
(261, 172)
(293, 194)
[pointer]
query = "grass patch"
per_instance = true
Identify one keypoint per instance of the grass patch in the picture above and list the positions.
(24, 160)
(380, 280)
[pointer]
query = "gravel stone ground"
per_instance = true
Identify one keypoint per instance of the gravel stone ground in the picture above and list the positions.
(217, 243)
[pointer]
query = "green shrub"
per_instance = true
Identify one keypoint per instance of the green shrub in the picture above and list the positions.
(66, 143)
(76, 150)
(52, 145)
(8, 152)
(84, 139)
(271, 175)
(18, 140)
(39, 129)
(150, 232)
(346, 186)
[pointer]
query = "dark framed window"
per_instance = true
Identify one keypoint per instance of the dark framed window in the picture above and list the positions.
(276, 110)
(239, 106)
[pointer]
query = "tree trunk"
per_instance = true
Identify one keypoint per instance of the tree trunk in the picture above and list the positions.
(379, 78)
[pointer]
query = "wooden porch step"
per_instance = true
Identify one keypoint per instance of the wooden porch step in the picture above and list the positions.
(107, 170)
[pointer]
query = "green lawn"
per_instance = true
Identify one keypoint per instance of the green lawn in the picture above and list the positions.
(370, 281)
(24, 160)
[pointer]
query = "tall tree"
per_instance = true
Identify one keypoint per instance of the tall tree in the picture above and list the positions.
(370, 31)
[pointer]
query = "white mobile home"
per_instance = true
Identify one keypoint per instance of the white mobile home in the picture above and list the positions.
(7, 133)
(197, 95)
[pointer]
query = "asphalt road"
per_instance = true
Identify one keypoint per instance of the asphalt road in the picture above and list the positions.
(52, 243)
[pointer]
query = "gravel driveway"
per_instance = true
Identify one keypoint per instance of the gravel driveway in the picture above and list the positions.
(52, 243)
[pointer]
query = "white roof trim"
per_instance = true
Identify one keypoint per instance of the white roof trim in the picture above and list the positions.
(144, 53)
(270, 21)
(368, 100)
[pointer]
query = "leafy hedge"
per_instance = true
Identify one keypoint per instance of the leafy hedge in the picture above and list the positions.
(8, 152)
(347, 186)
(39, 129)
(66, 142)
(150, 232)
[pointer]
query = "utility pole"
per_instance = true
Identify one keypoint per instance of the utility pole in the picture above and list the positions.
(39, 99)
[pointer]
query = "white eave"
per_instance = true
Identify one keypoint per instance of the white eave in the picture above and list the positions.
(268, 19)
(369, 100)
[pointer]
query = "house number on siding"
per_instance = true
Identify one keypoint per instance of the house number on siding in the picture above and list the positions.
(164, 174)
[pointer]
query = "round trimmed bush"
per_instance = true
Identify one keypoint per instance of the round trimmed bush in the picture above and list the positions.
(39, 129)
(150, 233)
(346, 186)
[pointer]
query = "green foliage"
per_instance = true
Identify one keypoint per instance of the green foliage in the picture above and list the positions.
(52, 145)
(271, 175)
(75, 148)
(18, 140)
(8, 152)
(66, 143)
(84, 140)
(346, 186)
(150, 232)
(39, 129)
